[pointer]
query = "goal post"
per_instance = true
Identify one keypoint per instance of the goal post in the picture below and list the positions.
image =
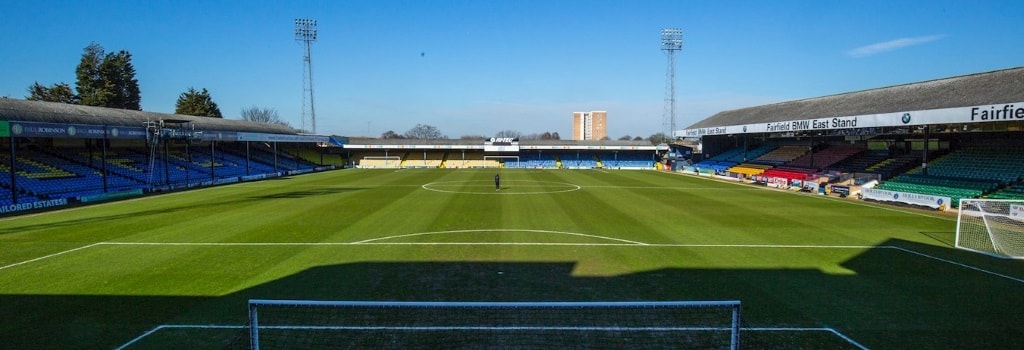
(991, 226)
(286, 324)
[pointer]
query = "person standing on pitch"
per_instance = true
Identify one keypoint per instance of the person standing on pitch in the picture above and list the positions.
(497, 182)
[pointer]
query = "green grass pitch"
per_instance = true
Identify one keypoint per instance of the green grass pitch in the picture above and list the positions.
(812, 272)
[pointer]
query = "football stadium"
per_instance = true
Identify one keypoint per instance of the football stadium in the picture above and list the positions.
(877, 219)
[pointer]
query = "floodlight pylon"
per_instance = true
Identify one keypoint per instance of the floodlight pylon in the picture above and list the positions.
(671, 42)
(306, 34)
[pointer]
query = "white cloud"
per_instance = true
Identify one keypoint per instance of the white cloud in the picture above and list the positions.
(891, 45)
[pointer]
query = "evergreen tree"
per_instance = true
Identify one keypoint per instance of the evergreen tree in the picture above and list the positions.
(197, 103)
(118, 76)
(107, 80)
(60, 92)
(90, 87)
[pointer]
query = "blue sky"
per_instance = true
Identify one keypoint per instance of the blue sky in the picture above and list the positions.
(476, 67)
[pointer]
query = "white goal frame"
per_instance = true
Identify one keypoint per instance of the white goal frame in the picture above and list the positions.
(1001, 239)
(733, 306)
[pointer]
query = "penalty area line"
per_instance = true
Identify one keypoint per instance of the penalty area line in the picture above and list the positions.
(493, 328)
(619, 243)
(620, 240)
(802, 329)
(177, 326)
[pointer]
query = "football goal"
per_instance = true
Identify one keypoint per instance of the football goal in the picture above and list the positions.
(380, 162)
(991, 226)
(308, 324)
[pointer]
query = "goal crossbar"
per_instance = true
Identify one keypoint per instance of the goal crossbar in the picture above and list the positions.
(582, 317)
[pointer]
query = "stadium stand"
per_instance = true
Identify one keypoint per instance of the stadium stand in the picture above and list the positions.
(823, 158)
(860, 162)
(624, 160)
(473, 160)
(782, 155)
(895, 165)
(749, 169)
(1013, 191)
(789, 173)
(536, 160)
(977, 169)
(578, 160)
(725, 160)
(985, 161)
(429, 159)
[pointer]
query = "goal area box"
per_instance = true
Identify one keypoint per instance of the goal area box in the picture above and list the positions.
(991, 226)
(310, 324)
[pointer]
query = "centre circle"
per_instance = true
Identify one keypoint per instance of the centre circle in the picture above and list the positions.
(508, 187)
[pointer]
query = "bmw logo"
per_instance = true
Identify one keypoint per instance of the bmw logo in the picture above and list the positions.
(17, 129)
(72, 131)
(940, 201)
(895, 196)
(906, 118)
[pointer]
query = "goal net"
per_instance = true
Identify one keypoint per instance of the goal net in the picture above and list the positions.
(306, 324)
(991, 226)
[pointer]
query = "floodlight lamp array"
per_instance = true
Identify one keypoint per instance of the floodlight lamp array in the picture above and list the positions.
(671, 39)
(305, 29)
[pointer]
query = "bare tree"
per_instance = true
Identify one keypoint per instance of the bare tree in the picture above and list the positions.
(391, 134)
(659, 138)
(263, 115)
(507, 133)
(425, 132)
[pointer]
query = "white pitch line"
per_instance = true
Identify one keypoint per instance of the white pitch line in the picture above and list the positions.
(672, 188)
(496, 328)
(176, 326)
(1015, 279)
(49, 256)
(627, 243)
(769, 246)
(503, 243)
(502, 230)
(231, 244)
(314, 244)
(848, 339)
(799, 329)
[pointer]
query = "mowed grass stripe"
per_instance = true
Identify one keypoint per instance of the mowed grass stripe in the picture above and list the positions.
(105, 295)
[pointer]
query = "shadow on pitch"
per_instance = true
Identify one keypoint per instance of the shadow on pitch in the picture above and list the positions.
(309, 193)
(201, 207)
(885, 288)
